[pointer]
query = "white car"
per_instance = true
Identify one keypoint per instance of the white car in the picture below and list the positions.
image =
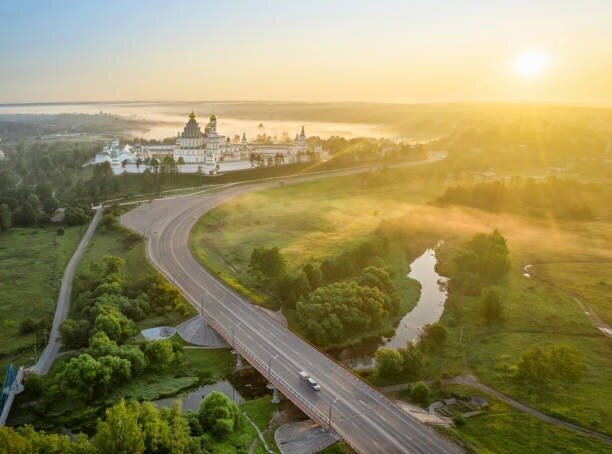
(313, 384)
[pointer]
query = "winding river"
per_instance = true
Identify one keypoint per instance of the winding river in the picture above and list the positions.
(429, 309)
(430, 305)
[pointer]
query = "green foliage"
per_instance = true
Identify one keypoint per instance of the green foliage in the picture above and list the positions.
(482, 261)
(413, 360)
(120, 431)
(160, 352)
(80, 376)
(5, 217)
(28, 325)
(336, 311)
(115, 324)
(541, 366)
(75, 216)
(267, 262)
(420, 393)
(219, 414)
(162, 296)
(313, 273)
(433, 337)
(563, 199)
(491, 307)
(389, 362)
(459, 420)
(75, 333)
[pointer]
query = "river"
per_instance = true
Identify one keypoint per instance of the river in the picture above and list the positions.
(429, 309)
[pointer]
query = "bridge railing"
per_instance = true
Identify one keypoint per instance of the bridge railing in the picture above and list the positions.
(313, 412)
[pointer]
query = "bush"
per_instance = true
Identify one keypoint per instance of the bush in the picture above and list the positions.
(219, 414)
(459, 420)
(491, 308)
(75, 333)
(60, 231)
(420, 393)
(28, 326)
(75, 216)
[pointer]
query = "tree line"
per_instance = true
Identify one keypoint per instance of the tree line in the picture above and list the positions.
(38, 178)
(341, 298)
(139, 427)
(563, 199)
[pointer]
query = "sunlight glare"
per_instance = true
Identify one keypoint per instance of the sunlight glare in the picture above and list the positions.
(530, 63)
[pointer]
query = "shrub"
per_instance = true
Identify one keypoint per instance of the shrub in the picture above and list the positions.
(420, 393)
(459, 420)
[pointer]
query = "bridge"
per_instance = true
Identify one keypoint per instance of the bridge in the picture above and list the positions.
(362, 416)
(12, 385)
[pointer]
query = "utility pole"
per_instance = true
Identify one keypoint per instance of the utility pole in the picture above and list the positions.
(329, 420)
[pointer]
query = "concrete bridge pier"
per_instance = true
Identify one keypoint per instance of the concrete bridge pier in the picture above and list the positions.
(275, 394)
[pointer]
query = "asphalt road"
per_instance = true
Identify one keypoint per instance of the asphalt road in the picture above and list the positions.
(63, 300)
(365, 418)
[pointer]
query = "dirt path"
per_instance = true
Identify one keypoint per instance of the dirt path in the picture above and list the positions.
(472, 382)
(588, 310)
(63, 301)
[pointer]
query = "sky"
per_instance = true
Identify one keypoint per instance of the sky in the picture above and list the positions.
(384, 51)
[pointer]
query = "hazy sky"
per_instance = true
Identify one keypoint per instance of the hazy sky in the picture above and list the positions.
(305, 50)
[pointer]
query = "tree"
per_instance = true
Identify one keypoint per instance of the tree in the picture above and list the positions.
(540, 366)
(180, 162)
(389, 362)
(116, 325)
(5, 217)
(75, 333)
(315, 278)
(490, 305)
(336, 311)
(155, 165)
(75, 216)
(112, 264)
(433, 336)
(267, 262)
(160, 352)
(120, 431)
(115, 370)
(413, 360)
(219, 414)
(420, 393)
(482, 261)
(80, 376)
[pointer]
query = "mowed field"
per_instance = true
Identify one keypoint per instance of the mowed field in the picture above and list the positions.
(32, 262)
(311, 221)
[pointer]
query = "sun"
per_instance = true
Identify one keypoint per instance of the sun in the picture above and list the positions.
(530, 64)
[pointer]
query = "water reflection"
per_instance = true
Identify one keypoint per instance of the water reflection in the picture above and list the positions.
(429, 309)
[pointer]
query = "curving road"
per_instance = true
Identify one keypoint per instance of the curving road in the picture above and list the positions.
(366, 419)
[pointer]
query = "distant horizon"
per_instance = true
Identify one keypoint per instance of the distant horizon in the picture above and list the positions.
(567, 103)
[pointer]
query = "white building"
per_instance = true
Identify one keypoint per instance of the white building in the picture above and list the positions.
(207, 151)
(210, 148)
(116, 155)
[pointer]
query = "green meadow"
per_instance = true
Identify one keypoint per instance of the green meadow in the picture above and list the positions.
(32, 262)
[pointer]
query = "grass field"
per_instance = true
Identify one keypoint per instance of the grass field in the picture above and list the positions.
(589, 281)
(313, 220)
(32, 261)
(502, 429)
